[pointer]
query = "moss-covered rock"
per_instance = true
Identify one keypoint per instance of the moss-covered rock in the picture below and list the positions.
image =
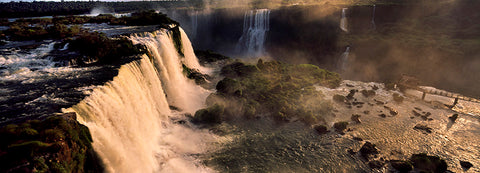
(211, 115)
(56, 144)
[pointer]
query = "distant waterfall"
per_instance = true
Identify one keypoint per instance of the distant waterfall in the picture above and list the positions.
(342, 65)
(343, 20)
(194, 24)
(130, 119)
(255, 25)
(374, 27)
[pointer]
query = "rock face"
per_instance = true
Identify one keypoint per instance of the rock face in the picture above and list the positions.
(368, 150)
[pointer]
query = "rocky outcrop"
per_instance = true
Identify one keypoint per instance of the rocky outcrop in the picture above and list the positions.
(466, 165)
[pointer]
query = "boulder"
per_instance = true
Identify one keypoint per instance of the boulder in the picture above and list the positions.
(466, 165)
(321, 129)
(423, 127)
(401, 166)
(340, 126)
(368, 150)
(426, 163)
(453, 118)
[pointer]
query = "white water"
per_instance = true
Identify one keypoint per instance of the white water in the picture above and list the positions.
(343, 20)
(130, 119)
(344, 59)
(374, 27)
(255, 26)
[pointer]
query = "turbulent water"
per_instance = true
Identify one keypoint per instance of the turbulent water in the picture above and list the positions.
(343, 20)
(130, 117)
(255, 25)
(32, 85)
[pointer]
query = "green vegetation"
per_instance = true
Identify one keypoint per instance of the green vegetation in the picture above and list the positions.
(56, 144)
(283, 91)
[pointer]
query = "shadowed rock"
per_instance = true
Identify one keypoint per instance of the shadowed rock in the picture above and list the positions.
(368, 150)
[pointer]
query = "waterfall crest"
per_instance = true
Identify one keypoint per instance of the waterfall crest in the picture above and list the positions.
(256, 23)
(130, 119)
(343, 20)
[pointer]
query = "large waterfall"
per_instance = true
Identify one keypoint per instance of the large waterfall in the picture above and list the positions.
(343, 20)
(255, 26)
(130, 119)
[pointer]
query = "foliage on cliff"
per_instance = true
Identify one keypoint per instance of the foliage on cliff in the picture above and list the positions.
(282, 91)
(56, 144)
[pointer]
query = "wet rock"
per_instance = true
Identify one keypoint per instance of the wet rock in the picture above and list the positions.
(423, 127)
(359, 106)
(349, 85)
(366, 112)
(376, 164)
(426, 163)
(368, 93)
(453, 118)
(320, 129)
(412, 117)
(466, 165)
(393, 112)
(401, 166)
(180, 122)
(339, 98)
(375, 87)
(368, 150)
(357, 138)
(416, 113)
(340, 126)
(417, 108)
(382, 115)
(378, 102)
(351, 94)
(398, 98)
(350, 151)
(356, 118)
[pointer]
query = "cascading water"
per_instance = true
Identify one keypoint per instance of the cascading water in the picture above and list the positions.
(343, 20)
(344, 59)
(194, 24)
(374, 27)
(130, 119)
(255, 25)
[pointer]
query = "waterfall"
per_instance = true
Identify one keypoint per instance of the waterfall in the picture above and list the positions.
(343, 20)
(130, 119)
(255, 25)
(344, 59)
(374, 27)
(194, 24)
